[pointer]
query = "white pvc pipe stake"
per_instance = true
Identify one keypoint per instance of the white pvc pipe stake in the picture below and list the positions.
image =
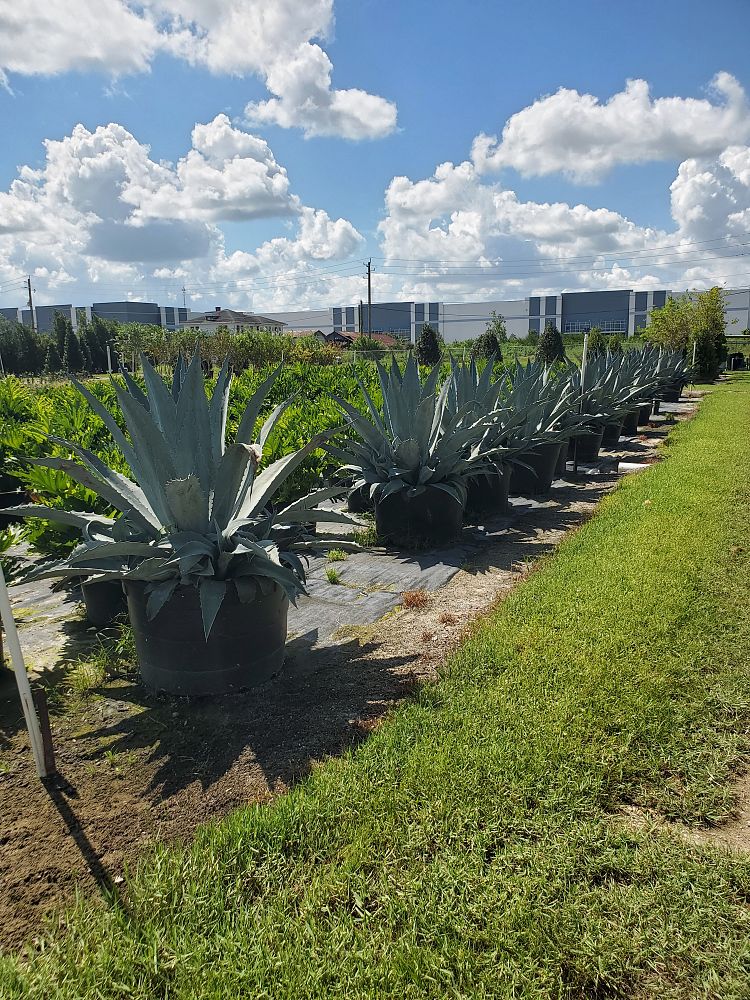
(22, 679)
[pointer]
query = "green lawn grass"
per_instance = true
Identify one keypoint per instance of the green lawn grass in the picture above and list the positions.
(472, 847)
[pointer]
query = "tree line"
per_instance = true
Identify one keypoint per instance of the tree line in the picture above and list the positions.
(24, 351)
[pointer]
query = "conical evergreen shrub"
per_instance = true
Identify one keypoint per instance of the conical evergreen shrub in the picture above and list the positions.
(428, 348)
(597, 342)
(550, 348)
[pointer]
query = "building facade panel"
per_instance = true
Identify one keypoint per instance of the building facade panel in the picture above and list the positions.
(608, 310)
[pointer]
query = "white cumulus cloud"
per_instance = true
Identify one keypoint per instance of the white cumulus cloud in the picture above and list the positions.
(584, 138)
(272, 40)
(101, 213)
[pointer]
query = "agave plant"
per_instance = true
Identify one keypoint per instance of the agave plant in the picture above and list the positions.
(416, 442)
(547, 402)
(198, 511)
(477, 400)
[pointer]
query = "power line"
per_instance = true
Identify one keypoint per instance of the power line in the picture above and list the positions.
(603, 253)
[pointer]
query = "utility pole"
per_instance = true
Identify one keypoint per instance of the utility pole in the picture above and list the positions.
(31, 305)
(369, 297)
(184, 298)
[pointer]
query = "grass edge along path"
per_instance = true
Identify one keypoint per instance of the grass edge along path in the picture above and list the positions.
(472, 847)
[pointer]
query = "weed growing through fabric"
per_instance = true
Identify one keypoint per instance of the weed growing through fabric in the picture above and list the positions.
(332, 575)
(366, 536)
(337, 555)
(415, 599)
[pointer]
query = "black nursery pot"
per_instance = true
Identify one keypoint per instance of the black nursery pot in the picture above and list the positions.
(543, 460)
(644, 413)
(431, 518)
(104, 600)
(561, 466)
(586, 444)
(630, 423)
(359, 501)
(488, 493)
(672, 393)
(612, 432)
(244, 648)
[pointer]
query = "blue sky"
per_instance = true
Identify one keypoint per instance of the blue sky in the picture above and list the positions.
(448, 72)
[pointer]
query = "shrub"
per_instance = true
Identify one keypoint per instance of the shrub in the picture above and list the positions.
(551, 348)
(428, 348)
(597, 342)
(486, 346)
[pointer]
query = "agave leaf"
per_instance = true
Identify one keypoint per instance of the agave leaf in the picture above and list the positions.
(193, 449)
(161, 405)
(285, 578)
(155, 459)
(133, 388)
(74, 518)
(233, 477)
(155, 568)
(422, 423)
(310, 501)
(133, 498)
(271, 478)
(112, 426)
(82, 475)
(407, 454)
(217, 411)
(364, 427)
(270, 423)
(188, 504)
(111, 550)
(177, 376)
(158, 596)
(369, 402)
(211, 594)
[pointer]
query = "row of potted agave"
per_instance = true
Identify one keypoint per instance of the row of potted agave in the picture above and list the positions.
(427, 460)
(207, 560)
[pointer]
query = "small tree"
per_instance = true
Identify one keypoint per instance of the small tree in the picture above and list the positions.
(496, 325)
(61, 326)
(72, 356)
(706, 357)
(52, 360)
(671, 325)
(614, 344)
(486, 346)
(532, 337)
(597, 342)
(710, 319)
(428, 348)
(550, 348)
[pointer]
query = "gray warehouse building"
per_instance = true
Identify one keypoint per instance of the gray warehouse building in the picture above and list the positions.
(168, 317)
(622, 311)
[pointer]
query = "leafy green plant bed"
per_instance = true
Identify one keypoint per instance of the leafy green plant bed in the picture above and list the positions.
(472, 846)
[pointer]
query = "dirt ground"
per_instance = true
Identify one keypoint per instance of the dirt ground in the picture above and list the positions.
(139, 768)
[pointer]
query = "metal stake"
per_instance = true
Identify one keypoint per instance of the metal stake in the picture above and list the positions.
(22, 680)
